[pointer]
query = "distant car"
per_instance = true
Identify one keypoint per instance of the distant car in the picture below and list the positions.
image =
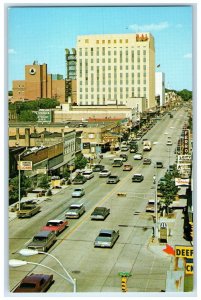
(137, 178)
(137, 156)
(75, 211)
(113, 179)
(57, 226)
(151, 207)
(78, 192)
(88, 174)
(98, 168)
(127, 167)
(35, 283)
(159, 164)
(169, 143)
(100, 213)
(106, 238)
(79, 179)
(124, 148)
(147, 161)
(124, 156)
(105, 173)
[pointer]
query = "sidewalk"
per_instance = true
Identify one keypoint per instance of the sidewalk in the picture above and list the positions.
(175, 236)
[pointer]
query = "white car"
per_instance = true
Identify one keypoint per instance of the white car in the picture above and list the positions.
(169, 143)
(88, 174)
(105, 173)
(75, 211)
(137, 156)
(78, 192)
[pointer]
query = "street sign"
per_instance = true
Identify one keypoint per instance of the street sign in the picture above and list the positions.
(25, 165)
(189, 268)
(44, 116)
(184, 251)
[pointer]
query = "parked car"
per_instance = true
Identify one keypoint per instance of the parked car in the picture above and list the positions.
(88, 174)
(124, 148)
(137, 156)
(43, 240)
(75, 211)
(105, 173)
(57, 226)
(106, 238)
(100, 213)
(159, 164)
(147, 161)
(98, 168)
(137, 178)
(79, 179)
(127, 167)
(113, 179)
(169, 143)
(151, 207)
(78, 192)
(124, 156)
(34, 283)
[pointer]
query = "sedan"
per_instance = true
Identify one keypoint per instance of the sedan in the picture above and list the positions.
(100, 213)
(137, 156)
(113, 179)
(127, 167)
(75, 211)
(35, 283)
(88, 174)
(137, 178)
(106, 238)
(169, 143)
(147, 161)
(104, 173)
(78, 192)
(57, 226)
(79, 179)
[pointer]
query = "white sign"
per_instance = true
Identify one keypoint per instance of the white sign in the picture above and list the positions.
(181, 181)
(184, 159)
(25, 165)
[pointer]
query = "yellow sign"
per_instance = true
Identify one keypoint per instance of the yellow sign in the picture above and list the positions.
(189, 268)
(184, 251)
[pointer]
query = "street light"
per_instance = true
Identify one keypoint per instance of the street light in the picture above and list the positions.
(31, 252)
(18, 263)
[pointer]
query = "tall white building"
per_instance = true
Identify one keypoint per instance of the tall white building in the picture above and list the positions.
(160, 87)
(112, 68)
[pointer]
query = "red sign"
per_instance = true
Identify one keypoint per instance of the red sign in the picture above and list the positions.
(141, 38)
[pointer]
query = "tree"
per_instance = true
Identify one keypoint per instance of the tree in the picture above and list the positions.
(168, 190)
(185, 94)
(44, 182)
(80, 162)
(28, 116)
(25, 184)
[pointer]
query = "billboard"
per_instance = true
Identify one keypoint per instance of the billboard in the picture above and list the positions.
(25, 165)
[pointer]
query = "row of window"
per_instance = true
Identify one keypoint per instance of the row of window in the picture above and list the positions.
(70, 147)
(114, 41)
(109, 89)
(109, 61)
(103, 100)
(109, 96)
(111, 52)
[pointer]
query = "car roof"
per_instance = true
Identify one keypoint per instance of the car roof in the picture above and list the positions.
(43, 233)
(137, 174)
(106, 230)
(76, 204)
(100, 208)
(52, 221)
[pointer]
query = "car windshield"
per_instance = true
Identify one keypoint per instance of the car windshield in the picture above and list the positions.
(74, 207)
(27, 285)
(77, 190)
(39, 239)
(52, 224)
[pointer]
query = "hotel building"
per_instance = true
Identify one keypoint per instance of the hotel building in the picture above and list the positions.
(113, 68)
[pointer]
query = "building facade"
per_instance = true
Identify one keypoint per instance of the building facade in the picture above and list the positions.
(38, 84)
(160, 88)
(114, 67)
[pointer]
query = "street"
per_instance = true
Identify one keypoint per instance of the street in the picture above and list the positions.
(97, 269)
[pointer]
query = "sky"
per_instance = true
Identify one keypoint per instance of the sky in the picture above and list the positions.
(43, 33)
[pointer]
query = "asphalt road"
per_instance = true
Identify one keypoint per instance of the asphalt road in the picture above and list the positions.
(95, 269)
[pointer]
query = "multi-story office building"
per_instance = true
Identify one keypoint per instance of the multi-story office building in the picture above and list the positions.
(114, 67)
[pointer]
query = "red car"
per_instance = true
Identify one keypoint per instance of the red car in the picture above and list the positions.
(56, 225)
(35, 283)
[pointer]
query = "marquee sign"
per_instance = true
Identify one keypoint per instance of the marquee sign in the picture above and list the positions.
(141, 37)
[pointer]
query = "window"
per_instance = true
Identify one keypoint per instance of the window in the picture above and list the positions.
(126, 41)
(86, 41)
(120, 41)
(144, 52)
(97, 41)
(80, 51)
(103, 41)
(115, 41)
(109, 42)
(144, 59)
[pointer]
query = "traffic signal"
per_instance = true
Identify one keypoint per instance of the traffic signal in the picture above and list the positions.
(124, 284)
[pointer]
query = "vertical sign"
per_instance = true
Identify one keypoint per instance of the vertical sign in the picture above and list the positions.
(186, 141)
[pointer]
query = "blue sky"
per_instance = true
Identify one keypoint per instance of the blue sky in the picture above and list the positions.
(43, 33)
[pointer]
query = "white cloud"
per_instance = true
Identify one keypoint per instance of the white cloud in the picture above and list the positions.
(187, 55)
(11, 51)
(149, 27)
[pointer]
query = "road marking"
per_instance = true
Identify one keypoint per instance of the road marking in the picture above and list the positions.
(104, 199)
